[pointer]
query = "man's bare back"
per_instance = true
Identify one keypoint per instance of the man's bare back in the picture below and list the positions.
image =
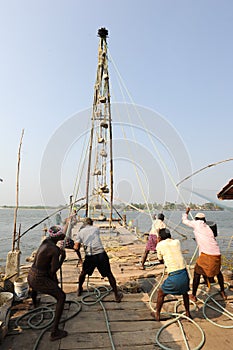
(47, 257)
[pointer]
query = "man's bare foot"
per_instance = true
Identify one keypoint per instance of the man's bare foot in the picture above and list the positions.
(188, 315)
(223, 295)
(119, 297)
(142, 267)
(193, 297)
(58, 334)
(80, 290)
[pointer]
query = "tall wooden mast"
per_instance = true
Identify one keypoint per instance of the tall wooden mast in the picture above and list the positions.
(99, 185)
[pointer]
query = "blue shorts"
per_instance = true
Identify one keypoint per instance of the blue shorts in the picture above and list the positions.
(177, 283)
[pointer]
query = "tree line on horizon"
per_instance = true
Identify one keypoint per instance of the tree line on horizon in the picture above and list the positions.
(135, 206)
(176, 206)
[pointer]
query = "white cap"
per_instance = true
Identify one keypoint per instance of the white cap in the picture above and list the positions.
(200, 216)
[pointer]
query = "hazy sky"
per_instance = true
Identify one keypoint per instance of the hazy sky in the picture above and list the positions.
(175, 58)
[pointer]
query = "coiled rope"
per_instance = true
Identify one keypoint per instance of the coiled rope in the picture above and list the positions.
(96, 295)
(34, 319)
(178, 316)
(219, 308)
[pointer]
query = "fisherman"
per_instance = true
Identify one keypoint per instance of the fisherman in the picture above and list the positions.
(58, 218)
(74, 217)
(69, 242)
(177, 282)
(208, 263)
(95, 256)
(153, 237)
(42, 275)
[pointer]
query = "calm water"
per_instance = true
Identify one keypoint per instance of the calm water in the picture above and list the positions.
(31, 240)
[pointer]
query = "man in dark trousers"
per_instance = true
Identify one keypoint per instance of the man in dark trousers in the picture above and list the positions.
(95, 256)
(42, 275)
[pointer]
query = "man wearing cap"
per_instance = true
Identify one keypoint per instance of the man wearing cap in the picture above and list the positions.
(42, 275)
(208, 263)
(153, 237)
(95, 256)
(177, 282)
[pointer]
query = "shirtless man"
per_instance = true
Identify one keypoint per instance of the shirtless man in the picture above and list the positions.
(42, 275)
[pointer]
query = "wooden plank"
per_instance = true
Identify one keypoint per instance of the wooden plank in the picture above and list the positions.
(22, 340)
(85, 341)
(137, 315)
(134, 326)
(112, 306)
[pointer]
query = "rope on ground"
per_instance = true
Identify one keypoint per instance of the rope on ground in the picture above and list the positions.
(39, 313)
(97, 296)
(177, 318)
(220, 308)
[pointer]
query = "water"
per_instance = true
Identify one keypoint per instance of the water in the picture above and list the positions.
(31, 240)
(26, 218)
(223, 219)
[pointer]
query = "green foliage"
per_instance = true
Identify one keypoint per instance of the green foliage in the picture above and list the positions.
(140, 206)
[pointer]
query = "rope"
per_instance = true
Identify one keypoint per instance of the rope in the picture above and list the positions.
(46, 218)
(121, 83)
(176, 319)
(80, 169)
(149, 135)
(178, 316)
(220, 309)
(42, 312)
(97, 296)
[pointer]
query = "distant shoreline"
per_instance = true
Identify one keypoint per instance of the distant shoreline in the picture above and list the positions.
(40, 207)
(31, 207)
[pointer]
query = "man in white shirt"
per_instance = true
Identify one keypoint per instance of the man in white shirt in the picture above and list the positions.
(95, 256)
(177, 282)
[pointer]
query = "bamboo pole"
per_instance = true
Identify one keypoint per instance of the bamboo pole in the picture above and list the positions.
(18, 238)
(17, 192)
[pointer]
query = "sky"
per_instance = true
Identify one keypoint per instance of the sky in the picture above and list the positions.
(174, 59)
